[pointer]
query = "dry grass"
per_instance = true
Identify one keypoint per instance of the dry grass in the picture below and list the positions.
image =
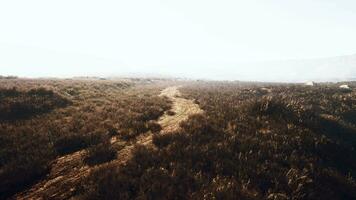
(287, 142)
(123, 140)
(59, 135)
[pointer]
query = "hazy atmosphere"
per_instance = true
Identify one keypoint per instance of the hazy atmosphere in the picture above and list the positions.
(184, 99)
(235, 40)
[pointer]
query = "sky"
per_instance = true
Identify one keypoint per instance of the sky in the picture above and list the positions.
(187, 38)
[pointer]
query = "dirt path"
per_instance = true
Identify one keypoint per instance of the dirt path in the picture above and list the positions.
(67, 170)
(182, 109)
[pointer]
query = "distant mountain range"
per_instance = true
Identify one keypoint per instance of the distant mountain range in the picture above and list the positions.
(341, 68)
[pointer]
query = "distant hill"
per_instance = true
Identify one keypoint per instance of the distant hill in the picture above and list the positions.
(8, 77)
(341, 68)
(334, 69)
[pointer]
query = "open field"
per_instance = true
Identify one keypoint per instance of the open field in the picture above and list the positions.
(165, 139)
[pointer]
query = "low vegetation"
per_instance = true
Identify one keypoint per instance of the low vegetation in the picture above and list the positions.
(278, 142)
(16, 105)
(100, 153)
(253, 141)
(25, 156)
(42, 120)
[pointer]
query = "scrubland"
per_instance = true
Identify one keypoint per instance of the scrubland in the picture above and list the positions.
(251, 140)
(42, 120)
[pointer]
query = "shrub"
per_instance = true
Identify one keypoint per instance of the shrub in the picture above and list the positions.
(18, 105)
(69, 143)
(24, 158)
(170, 113)
(162, 141)
(100, 153)
(154, 127)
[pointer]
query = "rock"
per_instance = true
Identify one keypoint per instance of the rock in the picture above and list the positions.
(310, 83)
(265, 90)
(344, 87)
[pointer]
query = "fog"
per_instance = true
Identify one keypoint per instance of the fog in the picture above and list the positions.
(221, 40)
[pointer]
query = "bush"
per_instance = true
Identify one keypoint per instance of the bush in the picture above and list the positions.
(24, 158)
(69, 143)
(162, 141)
(170, 113)
(100, 153)
(154, 127)
(17, 105)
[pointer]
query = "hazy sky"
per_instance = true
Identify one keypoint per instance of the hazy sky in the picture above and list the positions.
(192, 38)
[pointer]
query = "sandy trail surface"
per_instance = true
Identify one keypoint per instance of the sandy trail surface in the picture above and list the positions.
(68, 170)
(182, 109)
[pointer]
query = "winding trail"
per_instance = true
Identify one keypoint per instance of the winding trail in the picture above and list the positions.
(182, 109)
(67, 171)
